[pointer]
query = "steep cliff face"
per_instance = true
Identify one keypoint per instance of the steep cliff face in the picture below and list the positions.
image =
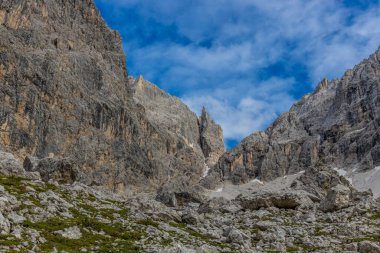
(336, 126)
(200, 138)
(211, 139)
(167, 113)
(65, 96)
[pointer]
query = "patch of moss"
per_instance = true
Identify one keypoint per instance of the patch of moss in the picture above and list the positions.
(266, 218)
(91, 197)
(292, 249)
(50, 225)
(305, 247)
(148, 222)
(9, 240)
(373, 237)
(88, 241)
(15, 185)
(319, 232)
(178, 225)
(108, 213)
(166, 242)
(123, 212)
(375, 216)
(254, 231)
(89, 208)
(46, 187)
(198, 235)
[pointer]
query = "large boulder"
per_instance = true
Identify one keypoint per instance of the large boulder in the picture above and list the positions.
(337, 198)
(368, 247)
(189, 217)
(61, 170)
(5, 226)
(180, 192)
(319, 181)
(284, 199)
(10, 165)
(219, 204)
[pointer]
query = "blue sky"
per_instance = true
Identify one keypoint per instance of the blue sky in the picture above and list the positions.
(245, 60)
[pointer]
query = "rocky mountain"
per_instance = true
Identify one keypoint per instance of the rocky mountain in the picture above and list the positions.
(93, 160)
(69, 108)
(337, 127)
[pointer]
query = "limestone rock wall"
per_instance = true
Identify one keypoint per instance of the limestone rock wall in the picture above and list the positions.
(65, 93)
(336, 126)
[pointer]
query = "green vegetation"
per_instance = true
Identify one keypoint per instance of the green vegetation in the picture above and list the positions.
(254, 231)
(148, 222)
(88, 208)
(14, 185)
(373, 237)
(305, 247)
(319, 232)
(9, 240)
(375, 216)
(115, 234)
(198, 235)
(94, 233)
(166, 242)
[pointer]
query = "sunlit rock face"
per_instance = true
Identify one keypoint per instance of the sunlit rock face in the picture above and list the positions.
(336, 126)
(201, 140)
(65, 94)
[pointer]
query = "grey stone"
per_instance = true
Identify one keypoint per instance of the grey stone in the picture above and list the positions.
(337, 198)
(16, 218)
(211, 138)
(235, 236)
(368, 247)
(179, 192)
(64, 171)
(70, 233)
(219, 204)
(30, 163)
(10, 165)
(190, 218)
(4, 224)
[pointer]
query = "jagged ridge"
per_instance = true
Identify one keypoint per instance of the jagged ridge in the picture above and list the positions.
(336, 126)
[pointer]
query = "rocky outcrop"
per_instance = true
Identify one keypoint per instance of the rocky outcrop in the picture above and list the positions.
(9, 165)
(286, 200)
(337, 198)
(65, 93)
(179, 192)
(319, 181)
(63, 171)
(202, 139)
(211, 139)
(336, 126)
(169, 114)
